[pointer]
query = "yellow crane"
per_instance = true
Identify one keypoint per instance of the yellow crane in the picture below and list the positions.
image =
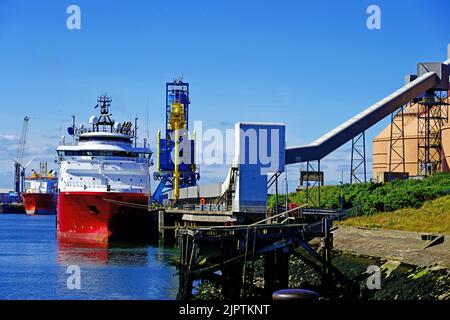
(177, 123)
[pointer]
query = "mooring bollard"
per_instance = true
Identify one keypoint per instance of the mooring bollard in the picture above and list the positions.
(295, 294)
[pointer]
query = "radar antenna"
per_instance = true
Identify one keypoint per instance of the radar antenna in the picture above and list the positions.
(104, 102)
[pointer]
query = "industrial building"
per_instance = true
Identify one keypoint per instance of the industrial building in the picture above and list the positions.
(417, 140)
(397, 148)
(416, 143)
(5, 195)
(246, 191)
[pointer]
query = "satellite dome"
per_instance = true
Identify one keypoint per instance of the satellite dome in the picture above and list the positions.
(93, 120)
(117, 126)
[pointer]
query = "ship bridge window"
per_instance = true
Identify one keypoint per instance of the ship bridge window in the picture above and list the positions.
(145, 155)
(96, 153)
(118, 139)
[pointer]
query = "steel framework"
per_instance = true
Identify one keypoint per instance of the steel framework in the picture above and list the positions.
(358, 162)
(313, 200)
(397, 142)
(431, 115)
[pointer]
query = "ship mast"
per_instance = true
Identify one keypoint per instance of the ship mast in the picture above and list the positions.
(104, 102)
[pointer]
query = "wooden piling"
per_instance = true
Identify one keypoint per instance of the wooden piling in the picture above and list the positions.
(276, 272)
(233, 250)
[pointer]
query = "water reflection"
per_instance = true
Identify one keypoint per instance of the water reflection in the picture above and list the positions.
(102, 254)
(118, 271)
(33, 265)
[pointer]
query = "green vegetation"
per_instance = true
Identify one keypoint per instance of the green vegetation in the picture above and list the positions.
(433, 217)
(371, 198)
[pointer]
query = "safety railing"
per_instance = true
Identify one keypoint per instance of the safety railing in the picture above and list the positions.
(84, 185)
(101, 160)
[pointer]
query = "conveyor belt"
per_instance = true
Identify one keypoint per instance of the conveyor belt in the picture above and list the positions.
(363, 121)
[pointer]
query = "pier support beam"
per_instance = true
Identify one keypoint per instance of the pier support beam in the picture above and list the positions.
(187, 255)
(161, 225)
(326, 247)
(185, 286)
(232, 282)
(167, 223)
(276, 271)
(232, 274)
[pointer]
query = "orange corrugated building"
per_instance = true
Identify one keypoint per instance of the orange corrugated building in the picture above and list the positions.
(382, 144)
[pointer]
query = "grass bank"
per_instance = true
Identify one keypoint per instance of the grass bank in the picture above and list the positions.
(433, 217)
(372, 198)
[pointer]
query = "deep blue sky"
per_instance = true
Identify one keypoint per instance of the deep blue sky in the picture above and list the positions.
(310, 64)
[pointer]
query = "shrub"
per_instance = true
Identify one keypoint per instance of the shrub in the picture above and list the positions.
(370, 198)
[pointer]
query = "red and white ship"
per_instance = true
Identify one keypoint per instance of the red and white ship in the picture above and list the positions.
(104, 184)
(40, 192)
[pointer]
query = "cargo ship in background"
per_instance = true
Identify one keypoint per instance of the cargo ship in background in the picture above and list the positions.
(41, 192)
(104, 183)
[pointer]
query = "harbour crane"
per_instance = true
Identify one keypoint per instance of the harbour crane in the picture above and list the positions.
(19, 173)
(176, 150)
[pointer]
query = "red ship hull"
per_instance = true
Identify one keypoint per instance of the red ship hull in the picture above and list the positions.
(103, 217)
(40, 203)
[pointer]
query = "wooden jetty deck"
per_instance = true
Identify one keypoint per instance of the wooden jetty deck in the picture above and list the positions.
(226, 255)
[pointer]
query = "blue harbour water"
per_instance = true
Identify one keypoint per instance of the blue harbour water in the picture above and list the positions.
(34, 265)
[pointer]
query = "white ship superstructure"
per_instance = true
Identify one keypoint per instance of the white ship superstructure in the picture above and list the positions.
(104, 184)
